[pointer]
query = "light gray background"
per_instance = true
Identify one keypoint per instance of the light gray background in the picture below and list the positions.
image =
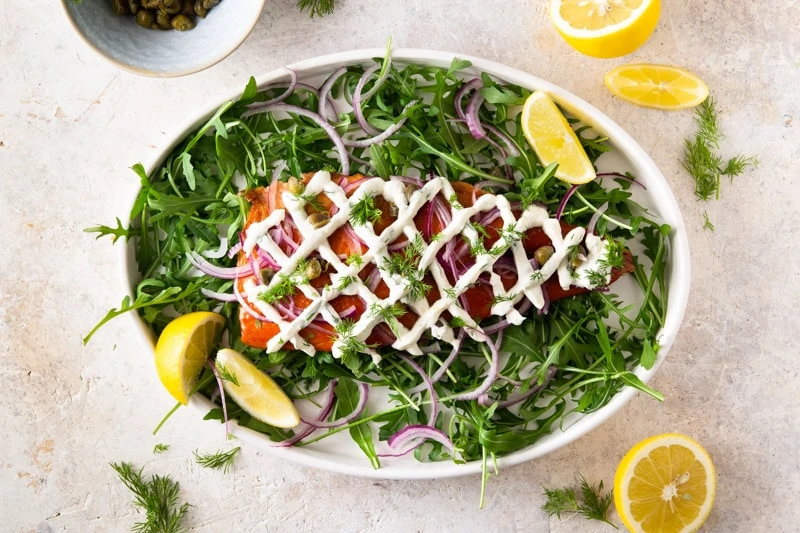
(71, 124)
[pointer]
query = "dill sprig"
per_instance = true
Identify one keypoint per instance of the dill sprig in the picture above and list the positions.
(388, 314)
(365, 210)
(283, 288)
(405, 264)
(707, 222)
(700, 158)
(593, 504)
(354, 259)
(317, 7)
(218, 460)
(345, 282)
(226, 374)
(160, 448)
(157, 497)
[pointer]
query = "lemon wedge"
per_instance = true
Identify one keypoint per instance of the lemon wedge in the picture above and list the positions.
(658, 86)
(554, 141)
(256, 392)
(182, 350)
(605, 28)
(665, 484)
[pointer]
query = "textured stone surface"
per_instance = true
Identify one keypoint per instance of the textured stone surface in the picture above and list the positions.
(70, 124)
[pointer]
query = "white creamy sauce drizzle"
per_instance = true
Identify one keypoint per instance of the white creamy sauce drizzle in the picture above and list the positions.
(528, 284)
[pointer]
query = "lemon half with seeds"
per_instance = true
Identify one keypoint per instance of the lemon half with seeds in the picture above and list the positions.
(665, 484)
(658, 86)
(554, 141)
(182, 350)
(605, 28)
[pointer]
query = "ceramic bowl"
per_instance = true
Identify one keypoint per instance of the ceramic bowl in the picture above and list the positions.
(340, 454)
(163, 53)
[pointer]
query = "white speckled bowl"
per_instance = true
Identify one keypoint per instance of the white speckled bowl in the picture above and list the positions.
(163, 53)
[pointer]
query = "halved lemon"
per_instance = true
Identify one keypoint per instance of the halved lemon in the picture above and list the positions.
(183, 348)
(554, 141)
(665, 484)
(605, 28)
(658, 86)
(256, 392)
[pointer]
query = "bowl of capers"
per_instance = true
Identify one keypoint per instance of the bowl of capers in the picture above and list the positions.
(163, 37)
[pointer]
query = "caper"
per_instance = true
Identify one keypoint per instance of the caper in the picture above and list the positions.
(577, 257)
(134, 6)
(543, 254)
(393, 211)
(120, 7)
(319, 219)
(199, 9)
(145, 18)
(313, 268)
(172, 7)
(150, 4)
(163, 19)
(266, 275)
(187, 7)
(208, 4)
(294, 185)
(408, 191)
(182, 22)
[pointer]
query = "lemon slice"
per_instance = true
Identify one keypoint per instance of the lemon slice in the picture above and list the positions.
(659, 86)
(256, 392)
(605, 28)
(183, 348)
(553, 140)
(665, 484)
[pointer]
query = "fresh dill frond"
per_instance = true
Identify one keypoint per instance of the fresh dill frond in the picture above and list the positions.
(500, 298)
(593, 504)
(226, 374)
(160, 448)
(405, 264)
(707, 222)
(312, 200)
(615, 254)
(157, 497)
(700, 158)
(537, 276)
(354, 259)
(365, 210)
(451, 292)
(218, 460)
(345, 282)
(559, 501)
(317, 7)
(436, 237)
(388, 314)
(344, 327)
(283, 288)
(705, 119)
(454, 202)
(457, 322)
(597, 278)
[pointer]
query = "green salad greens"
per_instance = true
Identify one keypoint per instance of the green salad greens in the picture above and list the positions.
(573, 358)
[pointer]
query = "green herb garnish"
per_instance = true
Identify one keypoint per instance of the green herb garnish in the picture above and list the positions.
(364, 210)
(160, 448)
(218, 460)
(700, 157)
(157, 497)
(593, 504)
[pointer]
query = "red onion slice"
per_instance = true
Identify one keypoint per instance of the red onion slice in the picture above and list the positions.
(221, 296)
(413, 432)
(491, 374)
(363, 396)
(357, 98)
(215, 271)
(322, 415)
(564, 201)
(322, 122)
(595, 218)
(325, 90)
(474, 83)
(388, 132)
(513, 400)
(428, 385)
(217, 377)
(281, 97)
(473, 121)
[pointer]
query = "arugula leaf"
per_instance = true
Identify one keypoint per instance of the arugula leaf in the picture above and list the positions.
(347, 395)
